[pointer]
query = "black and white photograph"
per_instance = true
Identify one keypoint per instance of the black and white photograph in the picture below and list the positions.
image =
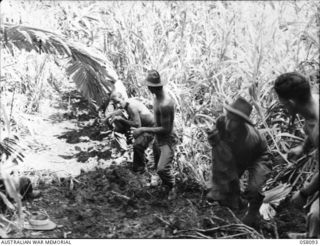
(159, 120)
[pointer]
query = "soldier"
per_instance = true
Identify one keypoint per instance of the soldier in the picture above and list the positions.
(165, 137)
(108, 110)
(139, 116)
(238, 146)
(23, 186)
(294, 92)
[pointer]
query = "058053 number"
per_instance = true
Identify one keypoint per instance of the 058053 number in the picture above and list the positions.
(311, 241)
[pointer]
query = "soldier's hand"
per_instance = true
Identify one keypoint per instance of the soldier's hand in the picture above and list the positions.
(298, 200)
(295, 153)
(117, 118)
(136, 132)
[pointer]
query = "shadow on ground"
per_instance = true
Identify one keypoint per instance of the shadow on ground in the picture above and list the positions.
(83, 156)
(85, 133)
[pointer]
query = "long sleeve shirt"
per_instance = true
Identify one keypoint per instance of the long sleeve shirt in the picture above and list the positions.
(248, 147)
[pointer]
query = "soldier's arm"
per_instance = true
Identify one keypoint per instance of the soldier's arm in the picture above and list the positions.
(134, 115)
(265, 156)
(111, 115)
(116, 112)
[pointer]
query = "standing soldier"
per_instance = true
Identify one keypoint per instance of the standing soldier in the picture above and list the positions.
(294, 92)
(165, 137)
(139, 116)
(238, 146)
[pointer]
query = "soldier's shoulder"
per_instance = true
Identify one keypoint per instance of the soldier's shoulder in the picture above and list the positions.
(135, 102)
(255, 134)
(168, 102)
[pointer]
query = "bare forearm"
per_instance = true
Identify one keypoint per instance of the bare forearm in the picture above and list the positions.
(156, 130)
(113, 113)
(129, 123)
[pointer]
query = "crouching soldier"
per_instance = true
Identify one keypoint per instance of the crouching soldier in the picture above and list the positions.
(294, 93)
(23, 186)
(238, 146)
(109, 110)
(138, 116)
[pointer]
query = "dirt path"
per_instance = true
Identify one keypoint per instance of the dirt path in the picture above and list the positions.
(48, 152)
(111, 201)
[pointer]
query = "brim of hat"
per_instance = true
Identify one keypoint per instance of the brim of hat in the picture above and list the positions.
(47, 227)
(238, 113)
(147, 83)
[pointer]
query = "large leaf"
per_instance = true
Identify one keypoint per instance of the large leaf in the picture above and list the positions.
(92, 72)
(277, 194)
(272, 199)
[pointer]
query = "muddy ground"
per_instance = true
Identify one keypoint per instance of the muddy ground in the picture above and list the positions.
(111, 201)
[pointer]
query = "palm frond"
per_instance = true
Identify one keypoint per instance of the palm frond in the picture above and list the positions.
(92, 73)
(9, 148)
(278, 193)
(272, 199)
